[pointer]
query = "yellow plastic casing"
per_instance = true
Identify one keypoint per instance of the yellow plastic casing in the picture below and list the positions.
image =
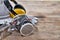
(18, 11)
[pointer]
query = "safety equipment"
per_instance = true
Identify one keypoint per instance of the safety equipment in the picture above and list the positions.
(27, 29)
(18, 12)
(18, 9)
(23, 23)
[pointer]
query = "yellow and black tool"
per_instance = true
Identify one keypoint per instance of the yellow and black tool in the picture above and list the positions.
(18, 9)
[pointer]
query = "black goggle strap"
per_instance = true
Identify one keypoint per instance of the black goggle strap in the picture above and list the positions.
(14, 13)
(8, 5)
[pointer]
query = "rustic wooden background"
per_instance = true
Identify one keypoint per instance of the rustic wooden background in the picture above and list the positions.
(48, 27)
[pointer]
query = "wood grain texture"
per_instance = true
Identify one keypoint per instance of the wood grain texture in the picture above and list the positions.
(48, 27)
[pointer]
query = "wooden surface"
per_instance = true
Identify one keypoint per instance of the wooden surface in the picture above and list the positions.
(48, 27)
